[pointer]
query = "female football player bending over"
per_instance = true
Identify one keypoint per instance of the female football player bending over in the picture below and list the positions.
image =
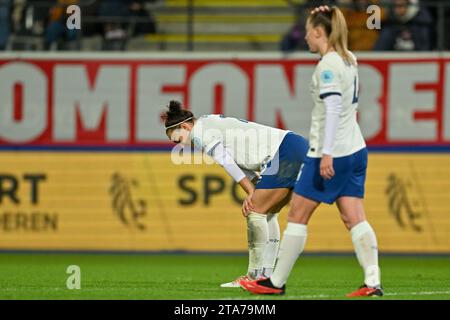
(247, 150)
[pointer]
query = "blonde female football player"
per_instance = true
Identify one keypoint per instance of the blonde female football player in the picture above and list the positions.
(244, 148)
(335, 168)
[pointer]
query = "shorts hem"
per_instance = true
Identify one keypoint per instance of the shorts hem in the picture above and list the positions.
(274, 187)
(313, 198)
(359, 196)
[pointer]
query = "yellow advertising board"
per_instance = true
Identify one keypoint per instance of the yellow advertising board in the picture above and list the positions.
(144, 202)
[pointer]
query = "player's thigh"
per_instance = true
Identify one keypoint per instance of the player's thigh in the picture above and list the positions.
(301, 209)
(351, 210)
(277, 208)
(266, 199)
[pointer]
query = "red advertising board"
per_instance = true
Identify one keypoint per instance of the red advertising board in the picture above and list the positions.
(111, 100)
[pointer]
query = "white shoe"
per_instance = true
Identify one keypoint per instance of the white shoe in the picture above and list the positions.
(235, 283)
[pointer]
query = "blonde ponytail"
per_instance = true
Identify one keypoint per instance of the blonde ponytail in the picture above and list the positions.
(338, 37)
(333, 21)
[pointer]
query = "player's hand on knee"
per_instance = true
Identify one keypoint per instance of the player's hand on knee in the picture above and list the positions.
(326, 167)
(247, 205)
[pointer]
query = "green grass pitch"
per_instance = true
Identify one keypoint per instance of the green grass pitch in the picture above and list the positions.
(189, 276)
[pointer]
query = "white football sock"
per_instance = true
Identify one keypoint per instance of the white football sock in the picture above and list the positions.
(366, 248)
(258, 235)
(292, 245)
(271, 252)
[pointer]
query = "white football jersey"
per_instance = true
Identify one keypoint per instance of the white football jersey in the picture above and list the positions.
(334, 76)
(250, 144)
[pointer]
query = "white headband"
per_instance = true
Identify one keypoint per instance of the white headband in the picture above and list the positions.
(177, 124)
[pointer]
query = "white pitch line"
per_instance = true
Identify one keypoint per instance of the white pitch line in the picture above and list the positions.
(323, 296)
(423, 293)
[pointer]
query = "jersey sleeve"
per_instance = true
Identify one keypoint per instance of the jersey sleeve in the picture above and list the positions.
(220, 154)
(333, 105)
(329, 79)
(251, 175)
(204, 140)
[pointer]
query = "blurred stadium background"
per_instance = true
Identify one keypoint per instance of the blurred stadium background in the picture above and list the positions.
(85, 166)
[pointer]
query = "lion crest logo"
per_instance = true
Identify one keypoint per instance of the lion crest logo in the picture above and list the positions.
(404, 202)
(129, 210)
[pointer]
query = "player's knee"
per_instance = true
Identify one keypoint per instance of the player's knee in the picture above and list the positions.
(300, 211)
(298, 218)
(297, 215)
(354, 222)
(265, 205)
(276, 208)
(347, 224)
(263, 209)
(351, 220)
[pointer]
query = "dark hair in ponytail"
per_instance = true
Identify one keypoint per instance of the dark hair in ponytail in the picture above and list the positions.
(333, 21)
(176, 114)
